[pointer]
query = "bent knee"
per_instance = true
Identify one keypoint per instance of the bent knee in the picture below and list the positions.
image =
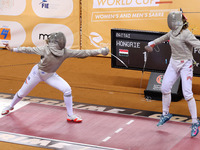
(187, 94)
(68, 93)
(188, 98)
(165, 90)
(21, 95)
(66, 90)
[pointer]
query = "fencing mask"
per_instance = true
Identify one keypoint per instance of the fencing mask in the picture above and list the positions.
(57, 42)
(175, 22)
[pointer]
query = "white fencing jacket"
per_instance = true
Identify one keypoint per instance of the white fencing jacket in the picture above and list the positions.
(50, 63)
(181, 45)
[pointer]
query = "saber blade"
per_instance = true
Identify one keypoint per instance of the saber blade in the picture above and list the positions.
(145, 61)
(119, 60)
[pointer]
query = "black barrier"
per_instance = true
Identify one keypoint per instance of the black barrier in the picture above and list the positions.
(129, 45)
(153, 90)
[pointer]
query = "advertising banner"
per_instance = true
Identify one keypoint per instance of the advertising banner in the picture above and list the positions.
(29, 22)
(100, 16)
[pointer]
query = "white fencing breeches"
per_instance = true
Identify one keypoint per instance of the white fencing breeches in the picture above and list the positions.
(53, 79)
(172, 74)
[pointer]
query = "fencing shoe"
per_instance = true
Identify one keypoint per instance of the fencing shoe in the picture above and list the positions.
(164, 118)
(74, 118)
(195, 129)
(6, 110)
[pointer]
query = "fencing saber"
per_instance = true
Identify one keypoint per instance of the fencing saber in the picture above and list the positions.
(119, 60)
(148, 49)
(145, 61)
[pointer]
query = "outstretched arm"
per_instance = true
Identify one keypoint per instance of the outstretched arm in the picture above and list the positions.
(192, 40)
(150, 46)
(29, 50)
(86, 53)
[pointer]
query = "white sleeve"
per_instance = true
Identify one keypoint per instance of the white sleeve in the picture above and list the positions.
(82, 53)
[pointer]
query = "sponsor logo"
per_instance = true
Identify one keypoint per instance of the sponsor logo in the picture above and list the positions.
(95, 39)
(7, 28)
(44, 4)
(52, 9)
(43, 36)
(5, 34)
(124, 3)
(123, 52)
(41, 32)
(159, 79)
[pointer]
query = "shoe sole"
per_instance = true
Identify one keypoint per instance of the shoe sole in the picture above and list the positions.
(69, 120)
(196, 133)
(7, 111)
(164, 122)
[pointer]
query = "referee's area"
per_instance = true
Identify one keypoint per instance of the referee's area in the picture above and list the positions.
(94, 82)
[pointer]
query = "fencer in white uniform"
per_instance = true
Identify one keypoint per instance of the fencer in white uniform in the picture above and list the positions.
(52, 56)
(182, 42)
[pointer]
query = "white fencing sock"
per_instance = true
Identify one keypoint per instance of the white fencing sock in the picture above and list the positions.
(15, 100)
(193, 109)
(68, 103)
(166, 101)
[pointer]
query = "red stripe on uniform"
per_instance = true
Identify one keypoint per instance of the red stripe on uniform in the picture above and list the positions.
(189, 77)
